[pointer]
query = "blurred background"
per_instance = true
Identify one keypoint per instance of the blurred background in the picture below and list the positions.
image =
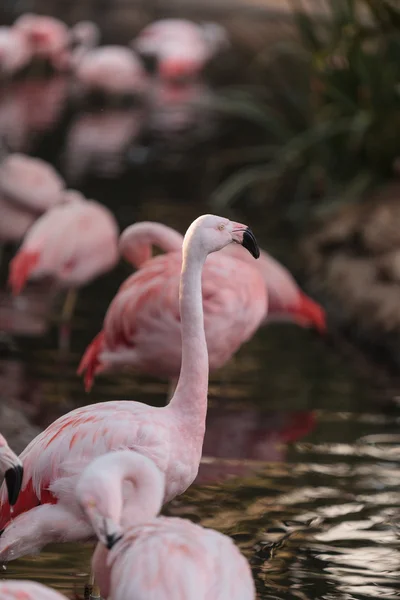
(281, 114)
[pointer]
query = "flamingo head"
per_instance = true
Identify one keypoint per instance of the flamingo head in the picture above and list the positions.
(97, 510)
(13, 471)
(213, 233)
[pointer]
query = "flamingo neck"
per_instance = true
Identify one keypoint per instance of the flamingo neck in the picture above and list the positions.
(190, 397)
(144, 502)
(136, 241)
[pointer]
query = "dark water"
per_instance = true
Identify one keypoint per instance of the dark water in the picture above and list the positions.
(301, 461)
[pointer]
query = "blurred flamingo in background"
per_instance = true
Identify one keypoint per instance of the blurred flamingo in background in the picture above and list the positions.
(286, 301)
(28, 187)
(112, 70)
(72, 244)
(190, 561)
(13, 589)
(15, 51)
(48, 38)
(97, 142)
(172, 436)
(11, 470)
(179, 48)
(142, 328)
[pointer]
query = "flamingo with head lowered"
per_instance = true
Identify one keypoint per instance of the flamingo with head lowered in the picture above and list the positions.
(11, 469)
(142, 329)
(191, 562)
(172, 436)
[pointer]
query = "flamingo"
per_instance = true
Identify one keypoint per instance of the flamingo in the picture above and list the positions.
(157, 557)
(178, 47)
(11, 469)
(15, 51)
(172, 436)
(286, 301)
(112, 70)
(48, 38)
(140, 327)
(28, 187)
(13, 589)
(72, 244)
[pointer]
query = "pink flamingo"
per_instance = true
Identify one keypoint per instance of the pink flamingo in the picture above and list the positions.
(286, 301)
(72, 244)
(142, 328)
(48, 38)
(13, 589)
(28, 187)
(11, 469)
(15, 51)
(179, 47)
(113, 70)
(172, 436)
(189, 561)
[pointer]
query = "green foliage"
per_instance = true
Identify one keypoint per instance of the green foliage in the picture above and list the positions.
(329, 113)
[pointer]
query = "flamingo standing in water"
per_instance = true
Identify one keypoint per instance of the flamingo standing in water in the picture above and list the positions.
(48, 38)
(11, 469)
(286, 301)
(178, 48)
(72, 244)
(13, 589)
(172, 436)
(112, 70)
(141, 328)
(190, 562)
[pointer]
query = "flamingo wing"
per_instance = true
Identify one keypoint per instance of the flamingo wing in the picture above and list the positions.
(67, 445)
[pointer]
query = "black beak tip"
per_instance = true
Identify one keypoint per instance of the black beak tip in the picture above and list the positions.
(13, 478)
(112, 539)
(250, 243)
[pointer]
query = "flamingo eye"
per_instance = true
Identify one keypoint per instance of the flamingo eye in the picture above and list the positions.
(221, 227)
(91, 503)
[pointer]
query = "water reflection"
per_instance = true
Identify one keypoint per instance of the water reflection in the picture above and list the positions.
(97, 141)
(30, 108)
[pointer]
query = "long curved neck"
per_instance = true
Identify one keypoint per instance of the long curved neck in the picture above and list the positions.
(147, 498)
(137, 241)
(190, 397)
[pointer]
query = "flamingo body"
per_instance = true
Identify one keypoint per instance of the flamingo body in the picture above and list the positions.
(171, 436)
(172, 558)
(181, 47)
(112, 70)
(72, 243)
(48, 38)
(142, 325)
(12, 589)
(15, 51)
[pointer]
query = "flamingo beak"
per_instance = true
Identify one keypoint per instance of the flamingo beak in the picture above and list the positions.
(112, 533)
(13, 478)
(243, 235)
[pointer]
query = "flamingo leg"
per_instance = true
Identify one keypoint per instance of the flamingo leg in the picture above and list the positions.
(69, 305)
(42, 525)
(66, 316)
